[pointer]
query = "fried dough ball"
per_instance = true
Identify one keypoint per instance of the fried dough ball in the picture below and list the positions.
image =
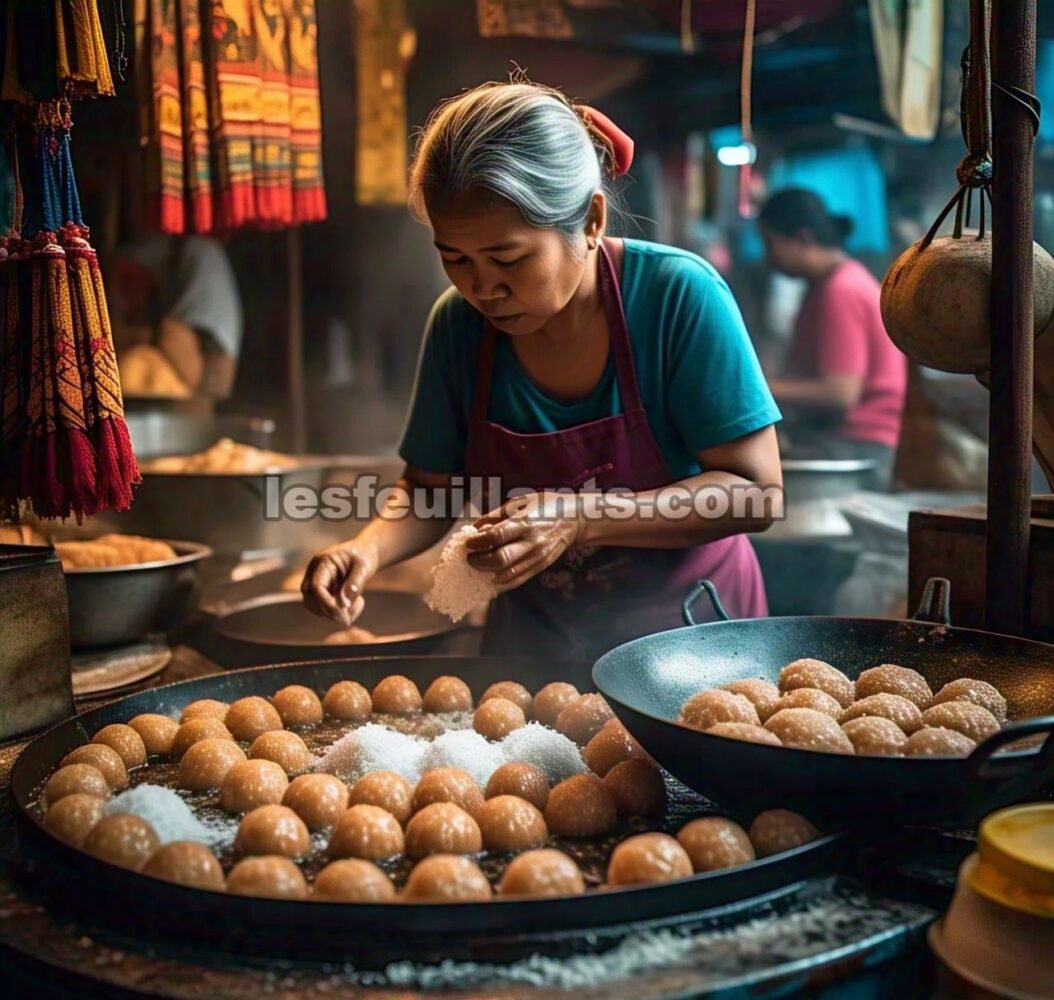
(447, 877)
(964, 717)
(551, 700)
(525, 781)
(807, 729)
(352, 880)
(448, 784)
(366, 832)
(386, 789)
(72, 817)
(894, 707)
(777, 830)
(252, 783)
(126, 741)
(932, 742)
(397, 695)
(874, 736)
(636, 787)
(581, 806)
(496, 718)
(186, 862)
(448, 694)
(122, 839)
(745, 731)
(102, 757)
(195, 730)
(286, 749)
(611, 746)
(708, 708)
(204, 708)
(511, 824)
(510, 691)
(891, 679)
(648, 857)
(76, 779)
(812, 698)
(442, 828)
(979, 692)
(583, 718)
(348, 700)
(297, 706)
(715, 842)
(273, 829)
(810, 673)
(545, 872)
(250, 717)
(763, 695)
(156, 731)
(318, 799)
(206, 763)
(268, 877)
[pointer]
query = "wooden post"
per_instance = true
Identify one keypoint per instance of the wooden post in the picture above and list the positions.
(295, 341)
(1010, 415)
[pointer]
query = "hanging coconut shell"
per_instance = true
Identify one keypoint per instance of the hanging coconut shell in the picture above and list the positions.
(935, 301)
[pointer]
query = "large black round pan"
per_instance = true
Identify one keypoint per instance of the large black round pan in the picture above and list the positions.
(326, 929)
(647, 680)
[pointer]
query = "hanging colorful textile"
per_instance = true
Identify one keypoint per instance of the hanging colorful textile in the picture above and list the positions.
(83, 62)
(309, 189)
(272, 167)
(527, 18)
(198, 170)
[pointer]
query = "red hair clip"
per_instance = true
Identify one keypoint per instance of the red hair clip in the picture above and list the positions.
(621, 144)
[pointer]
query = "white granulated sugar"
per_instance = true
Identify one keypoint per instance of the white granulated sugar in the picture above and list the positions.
(457, 588)
(545, 748)
(464, 748)
(171, 818)
(373, 748)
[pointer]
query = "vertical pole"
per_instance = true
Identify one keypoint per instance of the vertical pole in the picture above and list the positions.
(295, 341)
(1010, 416)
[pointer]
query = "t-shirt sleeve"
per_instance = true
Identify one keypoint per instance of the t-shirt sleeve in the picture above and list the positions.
(436, 429)
(716, 389)
(841, 334)
(205, 294)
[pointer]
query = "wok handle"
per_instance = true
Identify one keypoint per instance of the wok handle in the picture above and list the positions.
(980, 765)
(935, 606)
(703, 586)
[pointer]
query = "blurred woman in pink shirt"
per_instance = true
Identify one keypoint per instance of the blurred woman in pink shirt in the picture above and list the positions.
(845, 381)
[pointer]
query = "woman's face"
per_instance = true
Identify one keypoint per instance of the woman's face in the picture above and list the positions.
(517, 275)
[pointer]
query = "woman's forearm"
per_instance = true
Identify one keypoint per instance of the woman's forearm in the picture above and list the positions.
(396, 533)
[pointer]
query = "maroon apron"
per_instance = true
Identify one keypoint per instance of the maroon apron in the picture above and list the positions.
(593, 599)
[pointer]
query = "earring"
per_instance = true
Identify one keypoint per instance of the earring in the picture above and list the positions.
(591, 242)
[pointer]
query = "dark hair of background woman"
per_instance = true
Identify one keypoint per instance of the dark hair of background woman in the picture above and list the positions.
(791, 210)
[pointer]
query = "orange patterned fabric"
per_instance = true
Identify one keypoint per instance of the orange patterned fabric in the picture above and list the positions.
(309, 189)
(198, 169)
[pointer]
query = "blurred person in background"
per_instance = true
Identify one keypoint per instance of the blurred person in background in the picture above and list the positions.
(844, 382)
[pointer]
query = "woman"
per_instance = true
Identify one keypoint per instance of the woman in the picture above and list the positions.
(846, 381)
(562, 358)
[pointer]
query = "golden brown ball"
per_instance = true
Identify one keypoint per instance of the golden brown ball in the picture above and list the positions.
(206, 763)
(386, 789)
(448, 784)
(268, 877)
(708, 708)
(778, 830)
(273, 829)
(522, 780)
(76, 779)
(442, 828)
(637, 788)
(979, 692)
(448, 878)
(366, 832)
(715, 842)
(544, 872)
(448, 694)
(648, 857)
(72, 817)
(122, 839)
(807, 729)
(102, 757)
(583, 718)
(250, 717)
(873, 736)
(496, 718)
(511, 824)
(156, 731)
(580, 806)
(814, 698)
(397, 695)
(286, 749)
(552, 700)
(892, 679)
(252, 783)
(745, 731)
(186, 863)
(510, 691)
(930, 742)
(318, 799)
(809, 673)
(763, 695)
(204, 708)
(348, 700)
(126, 741)
(964, 717)
(611, 746)
(297, 706)
(352, 880)
(904, 713)
(195, 730)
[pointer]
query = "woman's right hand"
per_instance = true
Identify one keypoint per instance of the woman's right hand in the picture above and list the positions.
(333, 583)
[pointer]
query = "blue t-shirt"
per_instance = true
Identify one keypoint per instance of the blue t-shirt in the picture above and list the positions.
(699, 377)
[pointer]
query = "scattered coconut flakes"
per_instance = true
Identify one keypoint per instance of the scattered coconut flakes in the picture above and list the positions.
(464, 748)
(457, 588)
(373, 748)
(545, 748)
(171, 817)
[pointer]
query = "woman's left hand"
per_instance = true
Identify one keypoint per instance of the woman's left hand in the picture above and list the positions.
(525, 536)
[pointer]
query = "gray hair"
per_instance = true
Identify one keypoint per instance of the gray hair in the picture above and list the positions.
(521, 141)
